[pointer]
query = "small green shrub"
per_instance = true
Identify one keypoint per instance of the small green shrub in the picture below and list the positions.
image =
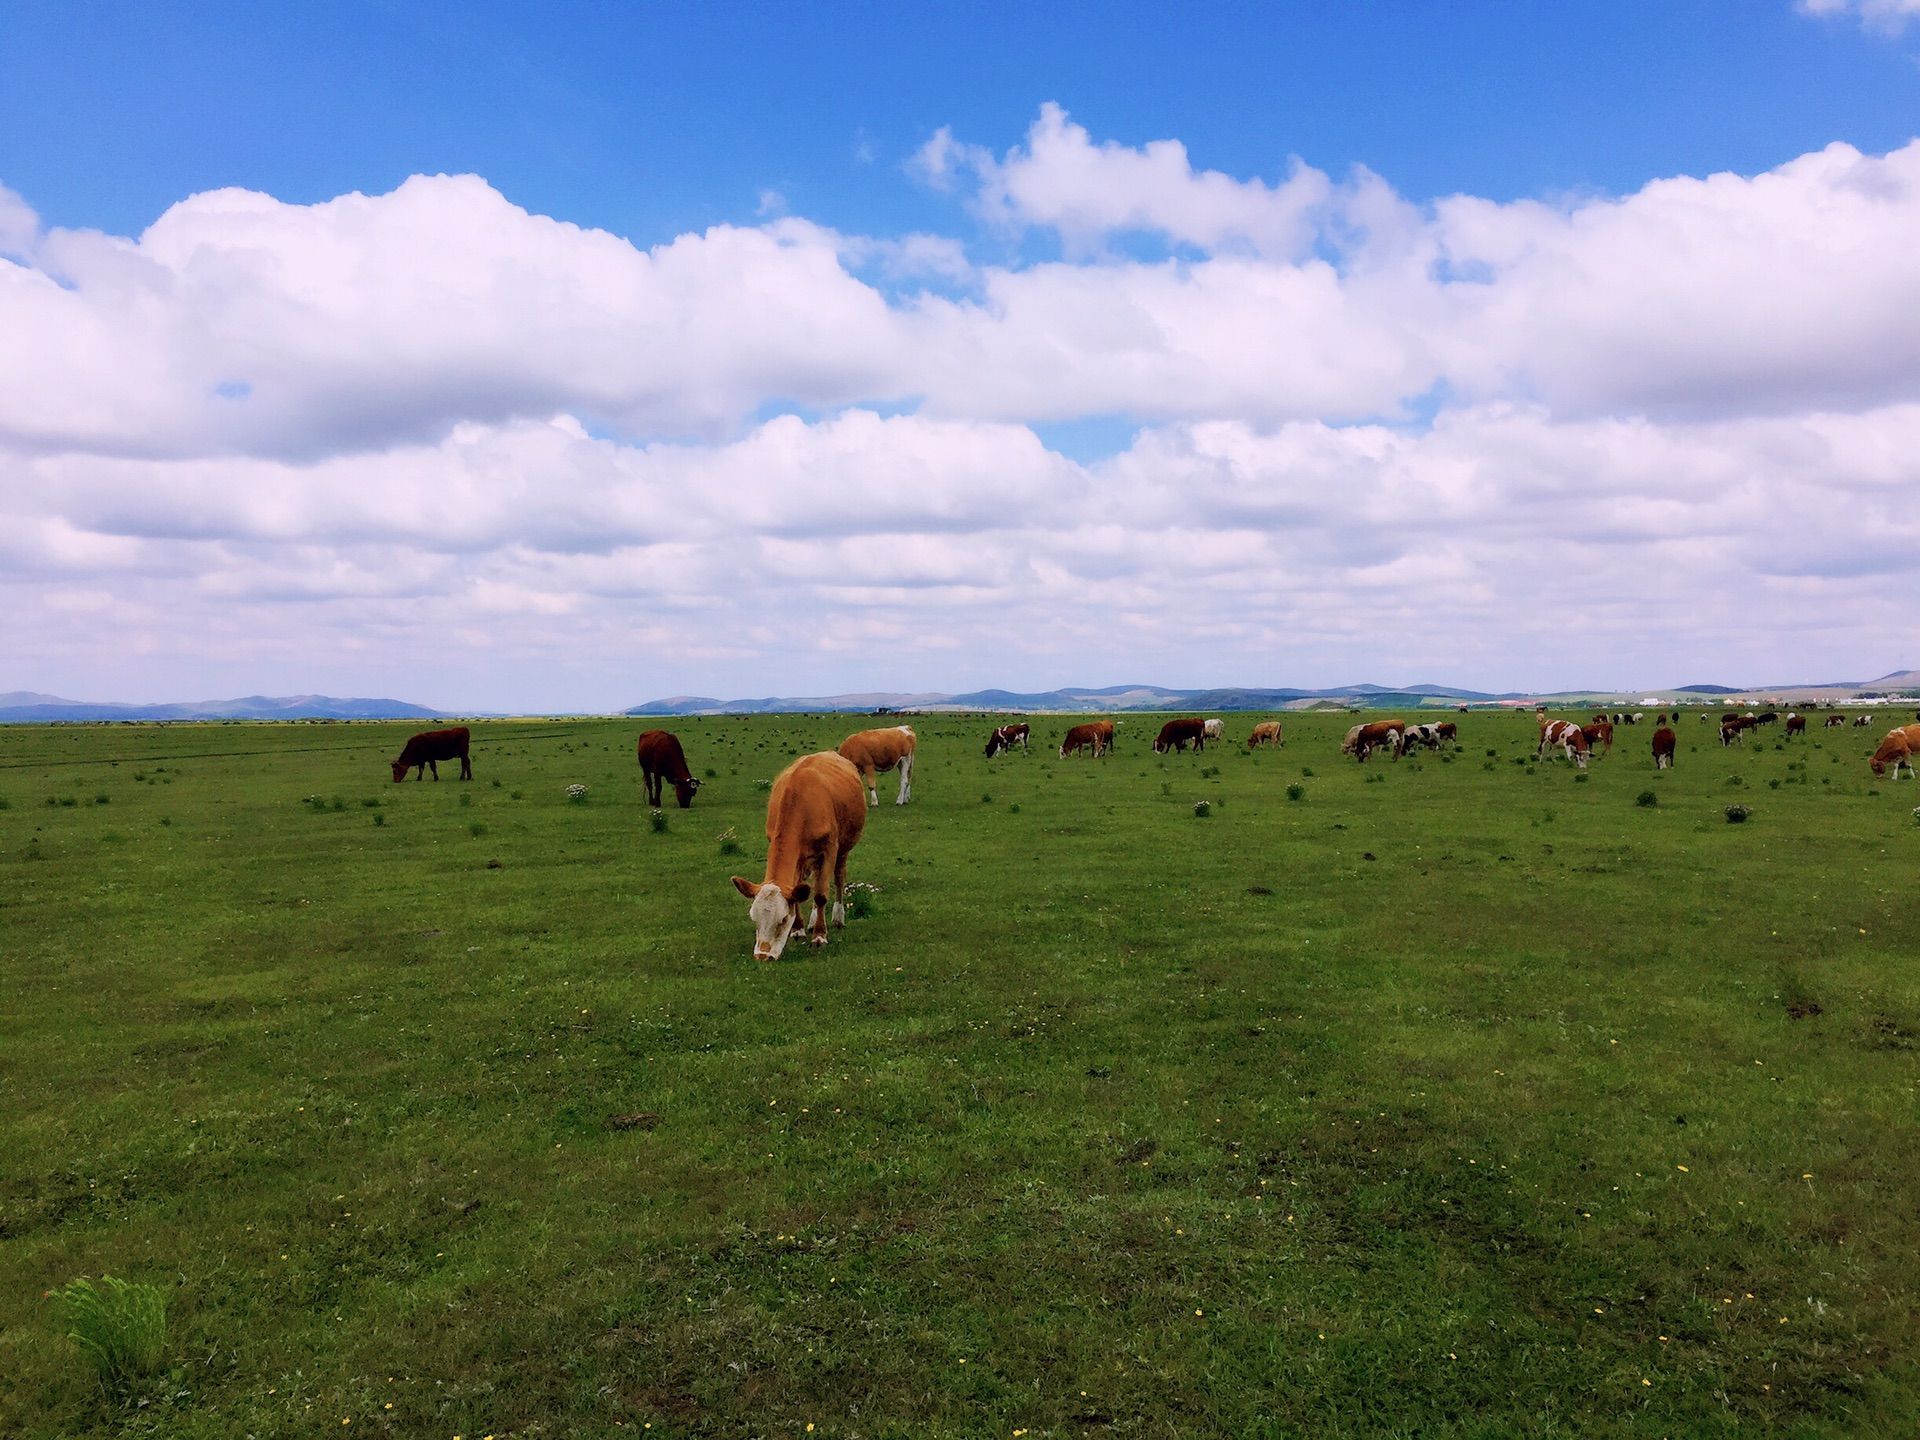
(1646, 798)
(120, 1327)
(379, 817)
(1014, 809)
(476, 829)
(986, 799)
(657, 821)
(1202, 809)
(729, 842)
(103, 799)
(1737, 814)
(860, 902)
(371, 803)
(1296, 791)
(466, 799)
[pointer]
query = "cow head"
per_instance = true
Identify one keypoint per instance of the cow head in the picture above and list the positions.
(775, 914)
(399, 771)
(683, 791)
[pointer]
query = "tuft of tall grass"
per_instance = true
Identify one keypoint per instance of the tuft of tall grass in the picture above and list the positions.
(657, 819)
(119, 1326)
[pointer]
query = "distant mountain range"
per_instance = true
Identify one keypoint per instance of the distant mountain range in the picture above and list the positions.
(31, 707)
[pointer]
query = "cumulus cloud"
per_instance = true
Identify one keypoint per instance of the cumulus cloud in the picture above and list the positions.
(1370, 436)
(1886, 16)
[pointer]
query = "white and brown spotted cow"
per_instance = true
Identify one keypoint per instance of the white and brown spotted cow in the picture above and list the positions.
(1566, 736)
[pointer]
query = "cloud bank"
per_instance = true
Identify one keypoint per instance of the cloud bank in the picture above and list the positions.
(429, 439)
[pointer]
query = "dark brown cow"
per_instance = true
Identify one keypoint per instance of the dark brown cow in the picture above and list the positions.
(1447, 730)
(1095, 735)
(815, 817)
(1005, 737)
(1363, 740)
(1178, 734)
(1663, 748)
(661, 759)
(1796, 724)
(1601, 733)
(425, 750)
(1734, 731)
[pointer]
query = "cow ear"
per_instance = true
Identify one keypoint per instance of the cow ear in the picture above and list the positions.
(745, 886)
(800, 894)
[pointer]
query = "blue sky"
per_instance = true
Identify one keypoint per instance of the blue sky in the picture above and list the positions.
(652, 120)
(503, 358)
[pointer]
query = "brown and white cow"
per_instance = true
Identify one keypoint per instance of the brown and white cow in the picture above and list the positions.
(814, 818)
(1734, 731)
(1178, 734)
(662, 759)
(1833, 720)
(1005, 737)
(426, 750)
(1860, 722)
(1363, 740)
(1267, 732)
(1566, 736)
(1898, 750)
(1215, 729)
(1599, 733)
(1095, 735)
(874, 752)
(1427, 735)
(1663, 748)
(1447, 730)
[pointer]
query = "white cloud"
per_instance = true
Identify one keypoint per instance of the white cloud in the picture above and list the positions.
(1886, 16)
(1371, 437)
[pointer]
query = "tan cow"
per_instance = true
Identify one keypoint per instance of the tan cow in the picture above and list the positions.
(874, 752)
(1267, 732)
(1215, 729)
(1897, 749)
(814, 818)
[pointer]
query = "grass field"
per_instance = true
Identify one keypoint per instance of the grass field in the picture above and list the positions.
(1457, 1096)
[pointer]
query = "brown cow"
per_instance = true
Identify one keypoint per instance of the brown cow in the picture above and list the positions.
(1178, 734)
(878, 751)
(425, 750)
(1663, 747)
(1601, 731)
(1898, 749)
(1833, 720)
(1363, 740)
(1267, 732)
(662, 759)
(814, 818)
(1566, 736)
(1447, 730)
(1734, 731)
(1005, 737)
(1796, 724)
(1095, 735)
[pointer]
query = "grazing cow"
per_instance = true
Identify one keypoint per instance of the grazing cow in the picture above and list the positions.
(661, 759)
(1005, 737)
(1833, 720)
(425, 751)
(1860, 722)
(1796, 725)
(1704, 717)
(1770, 717)
(1178, 734)
(814, 818)
(1897, 749)
(875, 752)
(1095, 735)
(1363, 740)
(1427, 735)
(1599, 719)
(1267, 732)
(1215, 729)
(1663, 747)
(1729, 716)
(1566, 736)
(1447, 730)
(1734, 731)
(1601, 733)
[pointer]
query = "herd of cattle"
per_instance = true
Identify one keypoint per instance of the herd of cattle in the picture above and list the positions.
(817, 810)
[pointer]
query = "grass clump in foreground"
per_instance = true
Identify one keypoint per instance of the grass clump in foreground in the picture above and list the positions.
(1255, 1136)
(119, 1327)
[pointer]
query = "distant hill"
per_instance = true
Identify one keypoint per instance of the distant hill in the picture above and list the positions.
(24, 707)
(1072, 700)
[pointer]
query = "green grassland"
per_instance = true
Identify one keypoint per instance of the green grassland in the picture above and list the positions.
(1457, 1096)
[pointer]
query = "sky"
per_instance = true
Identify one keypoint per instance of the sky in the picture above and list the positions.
(561, 359)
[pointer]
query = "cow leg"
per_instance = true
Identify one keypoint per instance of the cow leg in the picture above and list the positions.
(435, 766)
(829, 864)
(466, 767)
(840, 890)
(906, 779)
(873, 792)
